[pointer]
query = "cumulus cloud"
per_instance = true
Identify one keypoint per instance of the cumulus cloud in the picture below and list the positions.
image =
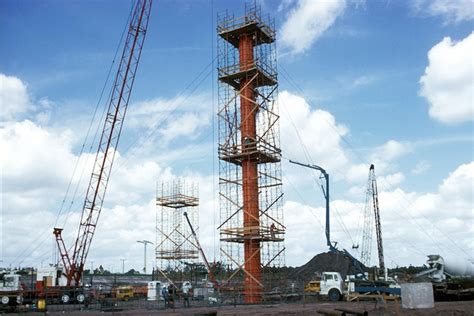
(448, 82)
(314, 136)
(421, 167)
(27, 146)
(181, 116)
(33, 184)
(14, 98)
(422, 221)
(307, 22)
(459, 187)
(314, 133)
(451, 11)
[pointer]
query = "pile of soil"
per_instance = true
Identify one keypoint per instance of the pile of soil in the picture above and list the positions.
(325, 262)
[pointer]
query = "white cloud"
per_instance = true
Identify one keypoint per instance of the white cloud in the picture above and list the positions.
(314, 136)
(284, 4)
(390, 150)
(391, 180)
(459, 187)
(413, 224)
(421, 167)
(311, 132)
(362, 81)
(26, 146)
(307, 22)
(14, 99)
(36, 165)
(181, 116)
(129, 212)
(448, 82)
(186, 125)
(451, 11)
(155, 112)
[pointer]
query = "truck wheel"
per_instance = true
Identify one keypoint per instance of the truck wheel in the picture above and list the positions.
(80, 298)
(334, 295)
(5, 300)
(65, 299)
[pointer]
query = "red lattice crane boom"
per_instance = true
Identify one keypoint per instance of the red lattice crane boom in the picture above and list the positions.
(117, 108)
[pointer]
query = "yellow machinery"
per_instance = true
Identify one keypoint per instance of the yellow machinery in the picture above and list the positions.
(124, 293)
(313, 287)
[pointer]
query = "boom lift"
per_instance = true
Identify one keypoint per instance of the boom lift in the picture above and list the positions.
(208, 267)
(117, 108)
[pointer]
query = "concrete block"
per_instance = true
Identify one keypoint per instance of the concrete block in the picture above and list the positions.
(417, 295)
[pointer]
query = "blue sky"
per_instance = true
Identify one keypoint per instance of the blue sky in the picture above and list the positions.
(358, 75)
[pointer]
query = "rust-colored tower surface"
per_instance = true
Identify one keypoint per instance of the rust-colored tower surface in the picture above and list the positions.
(251, 229)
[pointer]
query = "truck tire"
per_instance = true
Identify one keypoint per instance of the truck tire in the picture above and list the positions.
(65, 299)
(80, 298)
(5, 300)
(334, 295)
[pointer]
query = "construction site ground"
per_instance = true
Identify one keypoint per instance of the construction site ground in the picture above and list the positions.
(320, 308)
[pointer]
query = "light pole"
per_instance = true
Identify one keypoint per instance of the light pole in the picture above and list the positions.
(92, 271)
(144, 242)
(123, 265)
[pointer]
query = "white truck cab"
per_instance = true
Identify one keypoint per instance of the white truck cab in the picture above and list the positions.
(10, 290)
(332, 285)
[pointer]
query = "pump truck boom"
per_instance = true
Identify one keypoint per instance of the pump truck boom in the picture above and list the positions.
(112, 128)
(326, 197)
(332, 246)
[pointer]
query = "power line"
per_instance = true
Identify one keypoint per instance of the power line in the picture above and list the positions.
(352, 149)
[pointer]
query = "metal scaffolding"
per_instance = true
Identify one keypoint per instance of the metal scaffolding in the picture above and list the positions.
(251, 207)
(175, 246)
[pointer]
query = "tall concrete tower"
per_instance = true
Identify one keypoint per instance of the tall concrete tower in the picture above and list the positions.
(251, 229)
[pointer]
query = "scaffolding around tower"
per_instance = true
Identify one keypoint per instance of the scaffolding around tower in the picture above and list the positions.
(175, 247)
(250, 187)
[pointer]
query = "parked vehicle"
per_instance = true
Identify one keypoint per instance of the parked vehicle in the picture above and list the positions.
(333, 286)
(11, 293)
(452, 279)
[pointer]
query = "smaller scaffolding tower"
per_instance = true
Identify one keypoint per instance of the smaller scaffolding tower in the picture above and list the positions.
(174, 241)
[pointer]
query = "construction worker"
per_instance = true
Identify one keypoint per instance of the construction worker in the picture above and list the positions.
(186, 290)
(164, 293)
(272, 230)
(171, 295)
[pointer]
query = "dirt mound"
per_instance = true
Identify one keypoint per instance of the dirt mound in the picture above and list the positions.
(329, 262)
